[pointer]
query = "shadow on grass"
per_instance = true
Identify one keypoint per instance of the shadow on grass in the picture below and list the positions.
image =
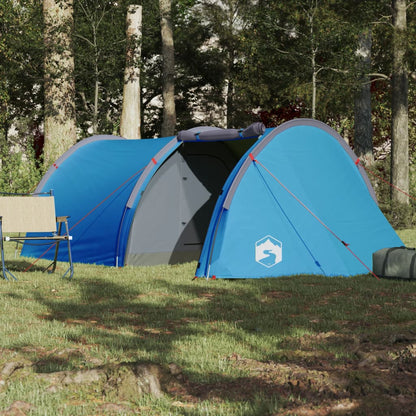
(277, 322)
(22, 265)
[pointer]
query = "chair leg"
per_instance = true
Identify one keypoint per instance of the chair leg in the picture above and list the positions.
(70, 269)
(53, 264)
(5, 271)
(71, 266)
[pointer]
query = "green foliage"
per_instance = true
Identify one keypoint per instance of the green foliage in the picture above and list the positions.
(21, 92)
(200, 73)
(100, 59)
(20, 59)
(19, 172)
(400, 216)
(287, 42)
(99, 63)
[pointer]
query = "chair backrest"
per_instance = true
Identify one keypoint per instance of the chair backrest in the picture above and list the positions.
(28, 214)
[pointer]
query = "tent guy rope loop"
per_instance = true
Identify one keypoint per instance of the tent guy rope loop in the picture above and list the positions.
(346, 245)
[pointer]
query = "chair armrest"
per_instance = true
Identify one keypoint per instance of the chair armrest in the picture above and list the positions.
(62, 218)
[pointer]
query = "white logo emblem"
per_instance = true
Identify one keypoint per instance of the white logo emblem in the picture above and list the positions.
(268, 251)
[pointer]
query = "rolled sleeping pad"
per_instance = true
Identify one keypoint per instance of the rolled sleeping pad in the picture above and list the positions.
(213, 134)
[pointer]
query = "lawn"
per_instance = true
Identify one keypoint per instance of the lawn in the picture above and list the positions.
(288, 346)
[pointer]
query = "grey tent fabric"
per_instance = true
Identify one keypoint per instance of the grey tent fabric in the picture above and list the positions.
(204, 134)
(180, 198)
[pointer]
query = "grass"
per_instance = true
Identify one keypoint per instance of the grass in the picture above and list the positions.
(408, 237)
(245, 347)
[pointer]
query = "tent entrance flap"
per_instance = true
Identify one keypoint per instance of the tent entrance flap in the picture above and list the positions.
(174, 211)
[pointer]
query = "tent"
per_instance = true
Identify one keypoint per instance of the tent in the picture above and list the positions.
(292, 201)
(297, 203)
(140, 202)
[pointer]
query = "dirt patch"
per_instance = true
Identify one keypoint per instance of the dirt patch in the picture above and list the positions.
(376, 379)
(273, 295)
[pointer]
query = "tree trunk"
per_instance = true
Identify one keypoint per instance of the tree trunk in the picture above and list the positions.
(363, 127)
(130, 117)
(314, 51)
(314, 82)
(169, 111)
(230, 104)
(399, 131)
(60, 121)
(97, 80)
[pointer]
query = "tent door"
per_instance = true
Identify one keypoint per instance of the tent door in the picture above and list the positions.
(173, 215)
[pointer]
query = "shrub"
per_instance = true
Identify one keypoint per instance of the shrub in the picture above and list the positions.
(19, 171)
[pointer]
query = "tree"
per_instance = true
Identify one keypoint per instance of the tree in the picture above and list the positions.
(21, 72)
(399, 131)
(130, 116)
(363, 127)
(366, 16)
(168, 54)
(99, 49)
(60, 119)
(199, 68)
(228, 20)
(21, 93)
(300, 54)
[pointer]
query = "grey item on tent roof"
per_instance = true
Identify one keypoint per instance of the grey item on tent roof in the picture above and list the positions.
(212, 134)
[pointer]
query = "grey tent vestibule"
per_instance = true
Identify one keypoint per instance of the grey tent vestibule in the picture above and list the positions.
(175, 209)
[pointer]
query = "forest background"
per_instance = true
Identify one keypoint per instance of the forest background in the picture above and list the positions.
(236, 62)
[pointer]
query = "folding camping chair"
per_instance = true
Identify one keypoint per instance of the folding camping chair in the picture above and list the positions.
(33, 214)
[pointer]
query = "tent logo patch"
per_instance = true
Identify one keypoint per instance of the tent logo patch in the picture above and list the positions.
(268, 251)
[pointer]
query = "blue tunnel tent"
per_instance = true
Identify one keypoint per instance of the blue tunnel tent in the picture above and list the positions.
(141, 202)
(291, 202)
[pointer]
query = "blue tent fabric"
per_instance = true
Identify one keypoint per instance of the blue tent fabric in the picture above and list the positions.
(264, 214)
(93, 183)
